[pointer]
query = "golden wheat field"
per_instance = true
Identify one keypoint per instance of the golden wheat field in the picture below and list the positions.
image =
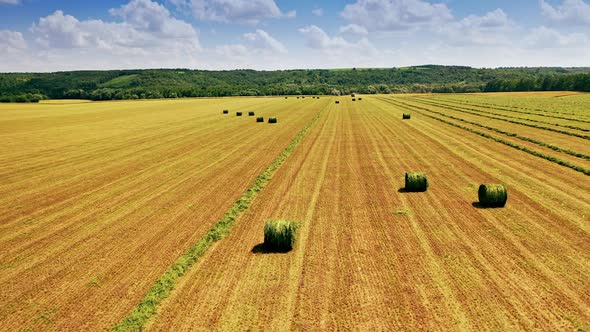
(149, 215)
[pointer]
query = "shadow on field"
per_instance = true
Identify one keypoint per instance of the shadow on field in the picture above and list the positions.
(262, 249)
(478, 205)
(402, 190)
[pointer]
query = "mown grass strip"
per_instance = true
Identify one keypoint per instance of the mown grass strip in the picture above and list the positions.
(147, 307)
(515, 108)
(440, 103)
(479, 113)
(507, 133)
(558, 161)
(500, 108)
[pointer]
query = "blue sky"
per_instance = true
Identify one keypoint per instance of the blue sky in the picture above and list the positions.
(51, 35)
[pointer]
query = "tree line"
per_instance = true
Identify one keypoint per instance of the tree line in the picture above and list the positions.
(178, 83)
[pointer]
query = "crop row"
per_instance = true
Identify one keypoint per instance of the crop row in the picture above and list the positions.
(499, 140)
(512, 109)
(507, 133)
(147, 307)
(587, 137)
(442, 104)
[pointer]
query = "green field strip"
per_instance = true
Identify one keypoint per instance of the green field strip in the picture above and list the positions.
(441, 103)
(507, 133)
(147, 307)
(477, 112)
(555, 160)
(513, 109)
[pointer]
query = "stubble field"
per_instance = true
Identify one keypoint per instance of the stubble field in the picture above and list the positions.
(98, 200)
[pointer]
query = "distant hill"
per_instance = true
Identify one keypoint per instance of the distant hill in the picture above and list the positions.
(173, 83)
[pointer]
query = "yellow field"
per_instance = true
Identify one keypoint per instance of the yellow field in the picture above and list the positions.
(98, 200)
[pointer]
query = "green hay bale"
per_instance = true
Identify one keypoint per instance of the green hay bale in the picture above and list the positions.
(272, 120)
(259, 119)
(225, 111)
(250, 113)
(416, 182)
(238, 113)
(406, 116)
(492, 195)
(279, 235)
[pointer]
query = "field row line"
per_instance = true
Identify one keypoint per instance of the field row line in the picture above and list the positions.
(511, 109)
(558, 161)
(478, 113)
(440, 103)
(507, 133)
(164, 286)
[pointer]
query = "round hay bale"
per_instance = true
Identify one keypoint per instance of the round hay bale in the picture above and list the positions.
(272, 120)
(238, 113)
(279, 235)
(406, 116)
(416, 182)
(250, 113)
(337, 102)
(352, 95)
(353, 99)
(286, 97)
(360, 98)
(225, 111)
(492, 195)
(260, 119)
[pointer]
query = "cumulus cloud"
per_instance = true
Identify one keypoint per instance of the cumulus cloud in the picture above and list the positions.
(543, 37)
(11, 41)
(570, 12)
(318, 39)
(146, 25)
(261, 40)
(354, 29)
(233, 11)
(492, 28)
(394, 15)
(147, 35)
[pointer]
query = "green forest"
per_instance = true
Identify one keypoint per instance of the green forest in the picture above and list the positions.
(178, 83)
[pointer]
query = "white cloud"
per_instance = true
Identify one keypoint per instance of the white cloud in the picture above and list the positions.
(146, 26)
(233, 11)
(543, 37)
(393, 15)
(318, 12)
(261, 40)
(354, 29)
(9, 2)
(152, 17)
(147, 36)
(11, 41)
(492, 28)
(569, 12)
(317, 39)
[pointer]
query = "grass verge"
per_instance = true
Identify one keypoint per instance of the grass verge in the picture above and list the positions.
(147, 307)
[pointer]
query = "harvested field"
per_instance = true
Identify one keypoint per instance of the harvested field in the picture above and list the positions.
(371, 258)
(99, 199)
